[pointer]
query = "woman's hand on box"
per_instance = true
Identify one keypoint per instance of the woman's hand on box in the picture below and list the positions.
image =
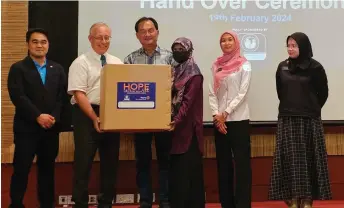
(172, 126)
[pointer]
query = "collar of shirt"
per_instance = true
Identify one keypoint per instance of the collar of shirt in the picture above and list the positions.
(157, 50)
(303, 65)
(38, 66)
(96, 55)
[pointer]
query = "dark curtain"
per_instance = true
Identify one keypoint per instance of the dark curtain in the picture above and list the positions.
(60, 19)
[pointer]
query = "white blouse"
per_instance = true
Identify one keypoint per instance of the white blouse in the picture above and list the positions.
(231, 95)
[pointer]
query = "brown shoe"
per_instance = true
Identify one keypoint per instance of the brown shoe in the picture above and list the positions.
(292, 203)
(306, 203)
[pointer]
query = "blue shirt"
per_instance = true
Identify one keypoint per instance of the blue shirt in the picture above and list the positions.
(42, 70)
(160, 56)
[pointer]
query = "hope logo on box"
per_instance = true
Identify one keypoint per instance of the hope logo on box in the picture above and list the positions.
(136, 95)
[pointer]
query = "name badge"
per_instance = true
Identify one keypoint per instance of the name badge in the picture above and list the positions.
(285, 68)
(136, 95)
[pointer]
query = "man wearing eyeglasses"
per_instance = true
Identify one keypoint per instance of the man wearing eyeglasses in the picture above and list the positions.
(147, 32)
(84, 85)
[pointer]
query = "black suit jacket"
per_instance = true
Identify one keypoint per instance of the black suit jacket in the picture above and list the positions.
(31, 98)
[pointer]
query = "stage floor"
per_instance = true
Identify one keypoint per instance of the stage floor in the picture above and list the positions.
(317, 204)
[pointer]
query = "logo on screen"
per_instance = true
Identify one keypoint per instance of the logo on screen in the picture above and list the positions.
(253, 45)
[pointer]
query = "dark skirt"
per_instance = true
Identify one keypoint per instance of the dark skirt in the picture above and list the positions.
(300, 167)
(186, 184)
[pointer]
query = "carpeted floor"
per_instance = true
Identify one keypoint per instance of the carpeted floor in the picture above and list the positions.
(317, 204)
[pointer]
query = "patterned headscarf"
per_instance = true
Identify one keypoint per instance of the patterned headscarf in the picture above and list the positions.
(182, 73)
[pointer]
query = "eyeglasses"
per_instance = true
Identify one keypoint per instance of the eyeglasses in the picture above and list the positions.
(101, 38)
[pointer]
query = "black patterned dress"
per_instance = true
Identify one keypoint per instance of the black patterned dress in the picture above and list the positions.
(300, 167)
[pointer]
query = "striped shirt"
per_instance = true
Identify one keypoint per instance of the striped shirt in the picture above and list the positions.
(160, 56)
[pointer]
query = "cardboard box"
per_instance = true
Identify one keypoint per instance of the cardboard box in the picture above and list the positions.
(135, 97)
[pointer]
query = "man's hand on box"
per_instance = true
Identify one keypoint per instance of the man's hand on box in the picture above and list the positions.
(96, 124)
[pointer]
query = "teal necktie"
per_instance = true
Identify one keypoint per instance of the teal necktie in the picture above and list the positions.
(103, 60)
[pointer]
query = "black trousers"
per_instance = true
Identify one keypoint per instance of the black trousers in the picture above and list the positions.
(87, 141)
(45, 145)
(237, 143)
(186, 179)
(143, 153)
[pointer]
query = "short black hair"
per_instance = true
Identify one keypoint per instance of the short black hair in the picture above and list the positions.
(35, 30)
(143, 19)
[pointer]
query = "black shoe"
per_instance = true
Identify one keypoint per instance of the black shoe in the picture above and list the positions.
(104, 206)
(145, 205)
(16, 206)
(80, 206)
(47, 206)
(164, 205)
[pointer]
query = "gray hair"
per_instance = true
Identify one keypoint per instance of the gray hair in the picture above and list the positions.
(98, 24)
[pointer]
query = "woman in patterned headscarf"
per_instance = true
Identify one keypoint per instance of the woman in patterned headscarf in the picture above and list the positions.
(230, 110)
(300, 172)
(186, 174)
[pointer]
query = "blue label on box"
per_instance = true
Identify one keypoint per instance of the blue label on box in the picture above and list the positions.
(136, 95)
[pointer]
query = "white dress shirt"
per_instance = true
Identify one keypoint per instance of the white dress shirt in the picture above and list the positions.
(231, 97)
(84, 75)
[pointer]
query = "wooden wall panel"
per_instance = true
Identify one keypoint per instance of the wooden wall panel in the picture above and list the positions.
(262, 145)
(14, 24)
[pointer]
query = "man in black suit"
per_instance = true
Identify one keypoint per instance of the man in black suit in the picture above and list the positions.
(36, 87)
